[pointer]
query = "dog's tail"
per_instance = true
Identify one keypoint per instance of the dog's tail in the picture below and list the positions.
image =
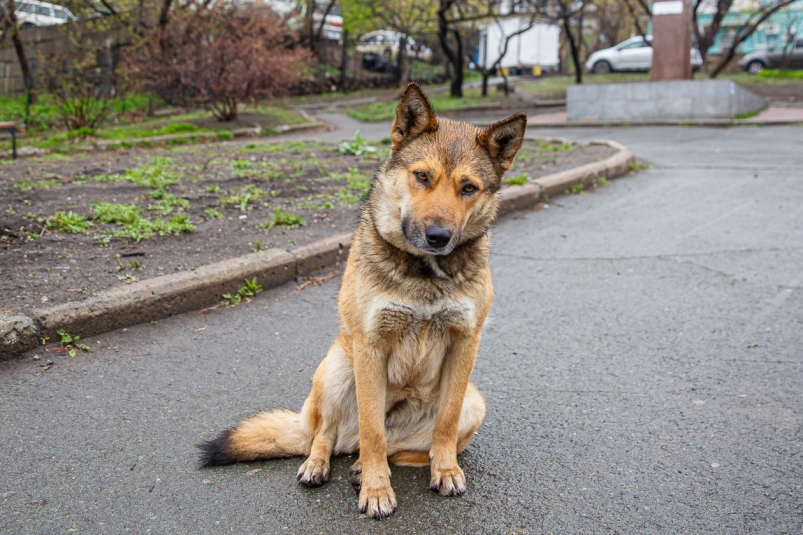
(267, 435)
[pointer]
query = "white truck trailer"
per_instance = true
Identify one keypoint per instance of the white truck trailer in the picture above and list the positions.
(536, 47)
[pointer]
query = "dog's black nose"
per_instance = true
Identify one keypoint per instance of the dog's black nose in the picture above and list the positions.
(438, 236)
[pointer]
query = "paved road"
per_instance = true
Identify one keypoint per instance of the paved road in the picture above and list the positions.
(624, 394)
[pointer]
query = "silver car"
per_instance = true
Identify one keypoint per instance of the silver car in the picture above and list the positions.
(635, 54)
(778, 55)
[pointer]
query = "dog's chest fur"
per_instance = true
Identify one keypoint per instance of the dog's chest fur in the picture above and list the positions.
(420, 334)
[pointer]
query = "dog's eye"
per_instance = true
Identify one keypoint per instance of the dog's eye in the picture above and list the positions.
(421, 176)
(469, 188)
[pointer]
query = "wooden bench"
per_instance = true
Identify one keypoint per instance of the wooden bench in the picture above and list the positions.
(12, 129)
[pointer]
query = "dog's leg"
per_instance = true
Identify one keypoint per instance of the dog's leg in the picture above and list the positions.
(471, 417)
(446, 476)
(322, 414)
(410, 441)
(377, 498)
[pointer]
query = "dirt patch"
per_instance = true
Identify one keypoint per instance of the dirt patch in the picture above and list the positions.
(71, 226)
(243, 120)
(784, 92)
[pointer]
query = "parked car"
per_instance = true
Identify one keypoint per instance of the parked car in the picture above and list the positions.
(634, 54)
(386, 43)
(536, 47)
(295, 12)
(33, 13)
(773, 57)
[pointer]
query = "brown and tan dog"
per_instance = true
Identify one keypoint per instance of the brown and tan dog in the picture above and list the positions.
(415, 294)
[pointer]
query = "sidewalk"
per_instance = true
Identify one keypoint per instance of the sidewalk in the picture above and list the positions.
(773, 115)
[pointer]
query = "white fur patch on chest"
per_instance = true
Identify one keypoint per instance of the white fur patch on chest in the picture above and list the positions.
(389, 315)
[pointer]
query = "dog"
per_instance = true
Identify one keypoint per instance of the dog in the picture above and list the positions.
(415, 294)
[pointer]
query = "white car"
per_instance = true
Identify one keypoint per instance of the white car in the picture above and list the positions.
(34, 13)
(386, 43)
(635, 54)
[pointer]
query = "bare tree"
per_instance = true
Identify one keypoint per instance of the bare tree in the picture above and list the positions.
(407, 17)
(746, 30)
(11, 27)
(707, 35)
(452, 43)
(485, 69)
(568, 13)
(218, 58)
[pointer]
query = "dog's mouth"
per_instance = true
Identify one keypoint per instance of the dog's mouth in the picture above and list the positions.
(431, 239)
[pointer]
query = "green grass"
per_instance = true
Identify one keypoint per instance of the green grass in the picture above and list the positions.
(69, 222)
(516, 180)
(132, 224)
(791, 75)
(157, 173)
(244, 196)
(145, 130)
(280, 217)
(554, 87)
(129, 222)
(441, 102)
(44, 113)
(246, 292)
(26, 185)
(126, 130)
(746, 114)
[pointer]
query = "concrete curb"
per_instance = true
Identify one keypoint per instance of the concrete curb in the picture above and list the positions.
(723, 123)
(203, 287)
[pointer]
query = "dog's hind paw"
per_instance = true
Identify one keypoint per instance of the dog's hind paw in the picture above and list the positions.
(313, 473)
(448, 482)
(355, 477)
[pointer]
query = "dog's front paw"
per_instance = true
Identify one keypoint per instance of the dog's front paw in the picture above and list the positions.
(314, 472)
(449, 481)
(377, 503)
(377, 499)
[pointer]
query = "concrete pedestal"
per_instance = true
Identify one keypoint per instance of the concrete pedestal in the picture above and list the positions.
(659, 101)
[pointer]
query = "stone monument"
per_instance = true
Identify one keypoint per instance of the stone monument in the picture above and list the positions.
(671, 40)
(671, 95)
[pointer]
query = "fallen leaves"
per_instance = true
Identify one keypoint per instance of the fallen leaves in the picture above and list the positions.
(751, 346)
(313, 281)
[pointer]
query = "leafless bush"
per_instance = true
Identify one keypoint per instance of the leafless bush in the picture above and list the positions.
(218, 57)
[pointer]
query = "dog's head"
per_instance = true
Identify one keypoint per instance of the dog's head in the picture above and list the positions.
(439, 186)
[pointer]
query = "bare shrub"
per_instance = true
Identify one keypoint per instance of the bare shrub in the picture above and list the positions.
(218, 58)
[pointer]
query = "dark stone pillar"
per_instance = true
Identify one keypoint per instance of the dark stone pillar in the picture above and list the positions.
(671, 42)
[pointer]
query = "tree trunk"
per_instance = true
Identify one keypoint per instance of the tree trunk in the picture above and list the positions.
(578, 69)
(164, 15)
(20, 48)
(706, 39)
(309, 25)
(485, 76)
(344, 60)
(453, 56)
(403, 60)
(457, 81)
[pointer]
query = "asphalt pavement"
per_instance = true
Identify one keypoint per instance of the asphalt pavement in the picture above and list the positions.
(642, 366)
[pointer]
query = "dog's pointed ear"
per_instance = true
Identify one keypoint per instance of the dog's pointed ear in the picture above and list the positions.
(503, 140)
(414, 117)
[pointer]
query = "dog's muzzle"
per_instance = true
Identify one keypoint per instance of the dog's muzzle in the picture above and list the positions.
(432, 239)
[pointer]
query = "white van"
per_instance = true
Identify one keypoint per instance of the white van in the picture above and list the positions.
(34, 13)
